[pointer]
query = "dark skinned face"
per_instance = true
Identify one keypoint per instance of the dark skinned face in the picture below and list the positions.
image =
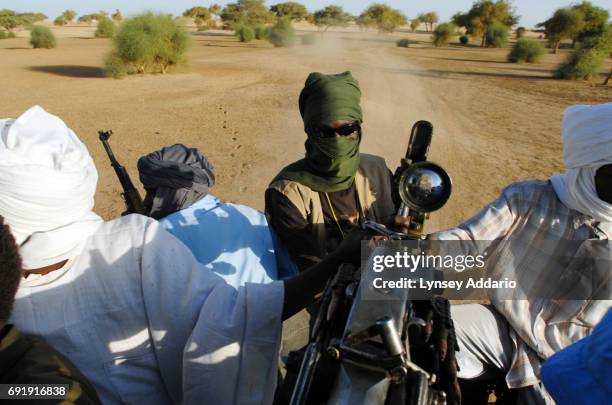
(603, 183)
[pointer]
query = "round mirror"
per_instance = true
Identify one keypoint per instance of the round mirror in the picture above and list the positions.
(425, 187)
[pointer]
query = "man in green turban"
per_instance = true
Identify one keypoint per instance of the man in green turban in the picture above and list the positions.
(313, 203)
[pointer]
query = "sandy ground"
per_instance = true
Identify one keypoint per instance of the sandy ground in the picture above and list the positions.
(494, 122)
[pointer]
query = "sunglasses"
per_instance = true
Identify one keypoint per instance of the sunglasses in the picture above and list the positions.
(344, 130)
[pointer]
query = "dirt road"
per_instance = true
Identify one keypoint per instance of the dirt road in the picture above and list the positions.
(238, 104)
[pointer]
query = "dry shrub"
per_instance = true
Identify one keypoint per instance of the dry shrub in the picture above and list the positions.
(444, 33)
(497, 35)
(42, 37)
(150, 43)
(60, 21)
(282, 33)
(526, 50)
(105, 29)
(115, 67)
(262, 32)
(245, 33)
(588, 58)
(405, 42)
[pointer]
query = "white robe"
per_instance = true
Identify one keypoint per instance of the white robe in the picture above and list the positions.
(147, 323)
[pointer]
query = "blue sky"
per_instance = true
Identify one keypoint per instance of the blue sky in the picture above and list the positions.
(531, 11)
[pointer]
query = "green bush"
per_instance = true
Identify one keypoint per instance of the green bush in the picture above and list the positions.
(405, 42)
(42, 37)
(151, 43)
(464, 39)
(106, 28)
(203, 27)
(261, 32)
(245, 33)
(3, 35)
(587, 59)
(444, 33)
(520, 32)
(59, 21)
(526, 50)
(309, 39)
(115, 67)
(282, 33)
(497, 35)
(11, 34)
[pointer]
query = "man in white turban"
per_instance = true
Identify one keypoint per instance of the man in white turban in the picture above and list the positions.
(125, 300)
(540, 233)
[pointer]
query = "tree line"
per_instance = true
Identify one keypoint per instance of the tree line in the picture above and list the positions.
(587, 28)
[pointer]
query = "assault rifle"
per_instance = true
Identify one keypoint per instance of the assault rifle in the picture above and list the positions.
(131, 197)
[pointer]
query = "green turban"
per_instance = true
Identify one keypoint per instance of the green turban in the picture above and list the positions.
(327, 98)
(330, 163)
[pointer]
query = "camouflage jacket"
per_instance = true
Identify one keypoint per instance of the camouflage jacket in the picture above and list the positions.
(27, 360)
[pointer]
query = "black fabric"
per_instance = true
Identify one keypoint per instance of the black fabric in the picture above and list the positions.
(345, 204)
(433, 347)
(295, 232)
(27, 360)
(175, 177)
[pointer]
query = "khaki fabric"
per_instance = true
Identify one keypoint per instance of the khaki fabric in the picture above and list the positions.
(373, 186)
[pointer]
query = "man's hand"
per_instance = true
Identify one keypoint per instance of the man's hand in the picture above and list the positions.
(349, 251)
(400, 224)
(301, 290)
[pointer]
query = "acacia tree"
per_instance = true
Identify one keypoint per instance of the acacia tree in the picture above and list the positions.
(117, 17)
(331, 16)
(291, 9)
(385, 18)
(364, 22)
(566, 23)
(9, 20)
(595, 20)
(69, 15)
(215, 9)
(89, 18)
(246, 12)
(429, 19)
(483, 14)
(588, 57)
(198, 13)
(414, 24)
(60, 21)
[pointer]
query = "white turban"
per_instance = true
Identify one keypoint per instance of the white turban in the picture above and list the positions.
(587, 146)
(47, 185)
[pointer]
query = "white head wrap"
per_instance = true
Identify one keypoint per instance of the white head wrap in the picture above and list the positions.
(587, 145)
(47, 185)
